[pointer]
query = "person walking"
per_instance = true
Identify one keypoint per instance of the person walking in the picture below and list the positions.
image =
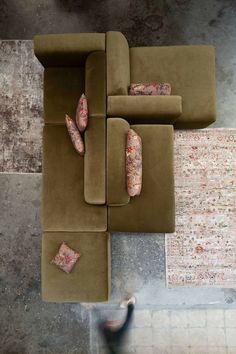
(113, 332)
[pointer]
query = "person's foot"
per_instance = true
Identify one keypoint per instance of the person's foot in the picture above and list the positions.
(128, 301)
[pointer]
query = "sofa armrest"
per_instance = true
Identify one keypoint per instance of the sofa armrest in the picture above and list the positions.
(69, 49)
(118, 63)
(145, 109)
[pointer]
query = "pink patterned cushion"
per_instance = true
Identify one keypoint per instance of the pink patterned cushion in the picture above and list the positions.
(152, 89)
(65, 258)
(75, 135)
(82, 113)
(133, 163)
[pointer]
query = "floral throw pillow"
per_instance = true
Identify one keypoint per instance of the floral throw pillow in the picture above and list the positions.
(75, 135)
(133, 163)
(82, 113)
(152, 89)
(66, 258)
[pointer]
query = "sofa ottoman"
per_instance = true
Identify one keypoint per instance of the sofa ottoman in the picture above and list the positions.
(89, 280)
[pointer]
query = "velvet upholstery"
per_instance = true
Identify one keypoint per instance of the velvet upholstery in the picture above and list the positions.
(95, 134)
(117, 129)
(63, 205)
(154, 209)
(118, 64)
(145, 109)
(189, 69)
(95, 161)
(62, 90)
(90, 278)
(95, 83)
(70, 49)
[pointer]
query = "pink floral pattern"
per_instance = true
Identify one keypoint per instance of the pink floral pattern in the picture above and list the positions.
(66, 258)
(152, 89)
(75, 136)
(202, 250)
(133, 163)
(82, 113)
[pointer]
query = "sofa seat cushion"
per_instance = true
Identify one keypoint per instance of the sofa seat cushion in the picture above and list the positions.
(64, 208)
(62, 90)
(117, 129)
(189, 69)
(148, 109)
(154, 209)
(90, 279)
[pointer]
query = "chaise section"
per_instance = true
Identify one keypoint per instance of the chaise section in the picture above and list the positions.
(117, 129)
(64, 207)
(154, 209)
(191, 72)
(89, 280)
(145, 109)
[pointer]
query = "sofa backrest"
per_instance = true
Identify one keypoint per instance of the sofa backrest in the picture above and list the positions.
(117, 129)
(70, 49)
(118, 64)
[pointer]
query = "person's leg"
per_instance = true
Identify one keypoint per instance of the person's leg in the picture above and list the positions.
(114, 337)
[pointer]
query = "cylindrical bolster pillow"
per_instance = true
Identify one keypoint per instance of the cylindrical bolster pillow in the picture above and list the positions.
(69, 49)
(145, 109)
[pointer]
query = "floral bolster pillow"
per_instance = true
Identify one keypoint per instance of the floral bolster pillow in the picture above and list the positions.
(66, 258)
(75, 135)
(133, 163)
(82, 113)
(152, 89)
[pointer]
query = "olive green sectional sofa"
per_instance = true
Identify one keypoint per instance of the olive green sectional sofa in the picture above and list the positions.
(85, 198)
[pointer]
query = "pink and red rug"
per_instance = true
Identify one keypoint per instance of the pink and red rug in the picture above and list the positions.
(202, 251)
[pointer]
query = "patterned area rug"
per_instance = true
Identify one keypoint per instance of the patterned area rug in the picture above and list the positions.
(202, 251)
(21, 102)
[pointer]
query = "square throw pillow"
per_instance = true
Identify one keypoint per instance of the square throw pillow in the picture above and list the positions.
(75, 135)
(133, 163)
(152, 89)
(66, 258)
(82, 113)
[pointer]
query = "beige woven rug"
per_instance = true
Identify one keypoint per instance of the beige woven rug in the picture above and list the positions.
(202, 251)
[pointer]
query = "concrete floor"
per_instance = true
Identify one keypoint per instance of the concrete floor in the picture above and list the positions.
(26, 324)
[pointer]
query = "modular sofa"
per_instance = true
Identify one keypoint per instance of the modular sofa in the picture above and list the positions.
(85, 198)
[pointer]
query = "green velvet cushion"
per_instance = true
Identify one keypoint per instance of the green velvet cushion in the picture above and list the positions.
(191, 72)
(70, 49)
(95, 83)
(90, 278)
(118, 63)
(62, 90)
(95, 161)
(145, 109)
(63, 205)
(154, 209)
(117, 129)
